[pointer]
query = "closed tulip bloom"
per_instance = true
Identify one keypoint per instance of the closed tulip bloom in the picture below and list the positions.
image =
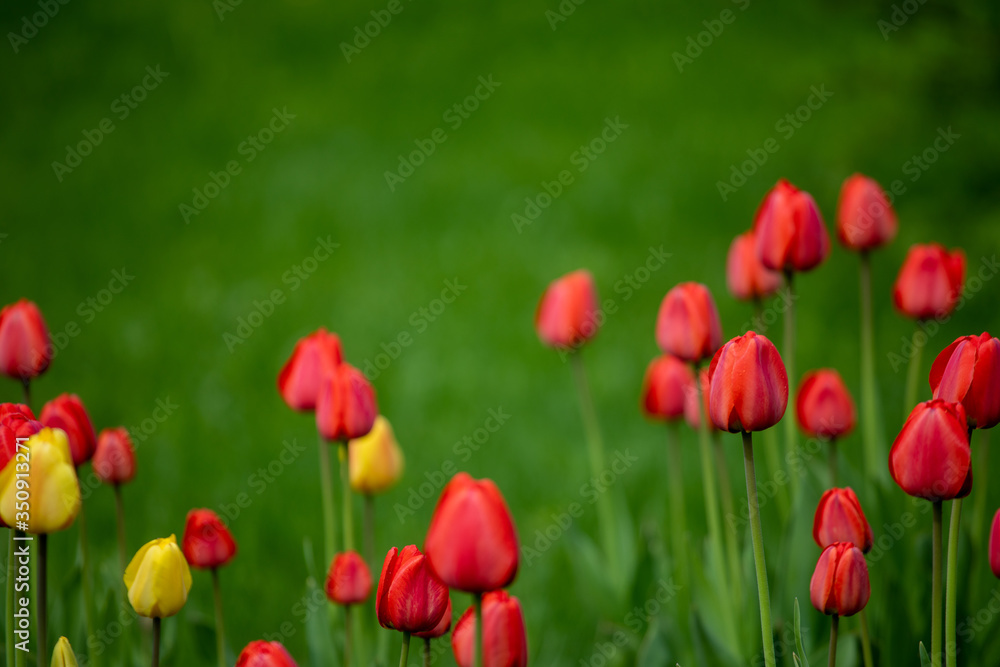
(410, 598)
(63, 655)
(995, 545)
(505, 643)
(471, 544)
(746, 278)
(16, 421)
(207, 542)
(53, 489)
(158, 579)
(931, 457)
(66, 412)
(692, 412)
(443, 626)
(839, 518)
(313, 360)
(790, 232)
(567, 314)
(865, 218)
(264, 654)
(840, 583)
(114, 459)
(749, 385)
(376, 461)
(25, 348)
(824, 406)
(688, 323)
(667, 384)
(968, 372)
(346, 408)
(348, 581)
(930, 282)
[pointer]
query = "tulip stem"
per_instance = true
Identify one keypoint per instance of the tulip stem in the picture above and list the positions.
(788, 356)
(41, 601)
(326, 486)
(345, 481)
(758, 551)
(866, 640)
(427, 652)
(370, 531)
(220, 628)
(156, 642)
(729, 510)
(10, 599)
(936, 589)
(404, 654)
(26, 387)
(347, 635)
(678, 516)
(913, 376)
(478, 631)
(88, 594)
(951, 599)
(870, 415)
(835, 622)
(120, 518)
(832, 460)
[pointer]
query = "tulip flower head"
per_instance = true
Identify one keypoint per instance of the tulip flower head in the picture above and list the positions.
(114, 459)
(930, 282)
(505, 643)
(346, 407)
(471, 544)
(410, 597)
(840, 585)
(439, 630)
(968, 372)
(931, 456)
(692, 411)
(207, 543)
(264, 654)
(348, 581)
(790, 232)
(567, 315)
(376, 461)
(839, 518)
(53, 489)
(66, 412)
(749, 385)
(824, 407)
(865, 218)
(995, 545)
(25, 348)
(63, 655)
(665, 388)
(158, 579)
(314, 359)
(688, 325)
(746, 278)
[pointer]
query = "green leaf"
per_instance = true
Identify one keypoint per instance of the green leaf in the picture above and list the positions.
(798, 636)
(925, 660)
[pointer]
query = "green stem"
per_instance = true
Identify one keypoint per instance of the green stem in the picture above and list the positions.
(120, 519)
(870, 416)
(369, 529)
(678, 520)
(788, 356)
(866, 641)
(41, 602)
(936, 589)
(156, 642)
(347, 635)
(404, 654)
(951, 600)
(833, 640)
(88, 593)
(326, 486)
(758, 552)
(729, 510)
(220, 628)
(832, 460)
(913, 377)
(10, 598)
(346, 508)
(478, 631)
(427, 652)
(26, 388)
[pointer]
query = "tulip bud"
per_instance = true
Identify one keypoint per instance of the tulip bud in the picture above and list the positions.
(824, 406)
(840, 586)
(348, 581)
(688, 323)
(746, 278)
(692, 411)
(114, 459)
(790, 232)
(471, 544)
(667, 383)
(441, 628)
(968, 372)
(158, 579)
(346, 407)
(376, 461)
(839, 518)
(931, 458)
(995, 545)
(929, 282)
(567, 315)
(207, 542)
(749, 385)
(313, 360)
(865, 218)
(264, 654)
(67, 413)
(25, 348)
(505, 643)
(410, 598)
(63, 655)
(52, 486)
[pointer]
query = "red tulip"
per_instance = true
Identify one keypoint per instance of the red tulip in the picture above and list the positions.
(839, 518)
(207, 543)
(790, 232)
(995, 545)
(968, 371)
(67, 412)
(114, 460)
(471, 544)
(265, 654)
(824, 406)
(688, 324)
(567, 315)
(441, 628)
(346, 408)
(746, 278)
(410, 597)
(749, 385)
(16, 421)
(865, 218)
(667, 383)
(692, 412)
(929, 282)
(313, 360)
(931, 456)
(25, 348)
(840, 584)
(348, 581)
(505, 643)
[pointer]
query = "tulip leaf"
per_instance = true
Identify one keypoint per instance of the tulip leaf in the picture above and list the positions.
(653, 650)
(925, 660)
(798, 635)
(319, 637)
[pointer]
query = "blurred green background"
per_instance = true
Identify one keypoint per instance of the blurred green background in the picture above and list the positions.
(323, 177)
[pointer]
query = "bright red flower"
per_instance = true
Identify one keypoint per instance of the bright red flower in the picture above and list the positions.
(567, 315)
(839, 518)
(410, 597)
(265, 654)
(471, 544)
(67, 412)
(995, 545)
(114, 460)
(692, 411)
(505, 643)
(749, 385)
(824, 406)
(207, 543)
(931, 458)
(840, 585)
(667, 383)
(746, 278)
(346, 408)
(865, 218)
(313, 360)
(688, 323)
(790, 232)
(930, 282)
(348, 581)
(443, 626)
(25, 348)
(968, 372)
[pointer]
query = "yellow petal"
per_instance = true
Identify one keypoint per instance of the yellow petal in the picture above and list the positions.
(53, 491)
(376, 461)
(62, 655)
(158, 579)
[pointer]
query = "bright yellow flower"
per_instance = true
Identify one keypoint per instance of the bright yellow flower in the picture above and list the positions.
(158, 579)
(376, 459)
(63, 655)
(39, 491)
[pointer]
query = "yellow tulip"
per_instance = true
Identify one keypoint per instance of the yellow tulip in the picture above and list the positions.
(39, 491)
(376, 461)
(158, 579)
(63, 655)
